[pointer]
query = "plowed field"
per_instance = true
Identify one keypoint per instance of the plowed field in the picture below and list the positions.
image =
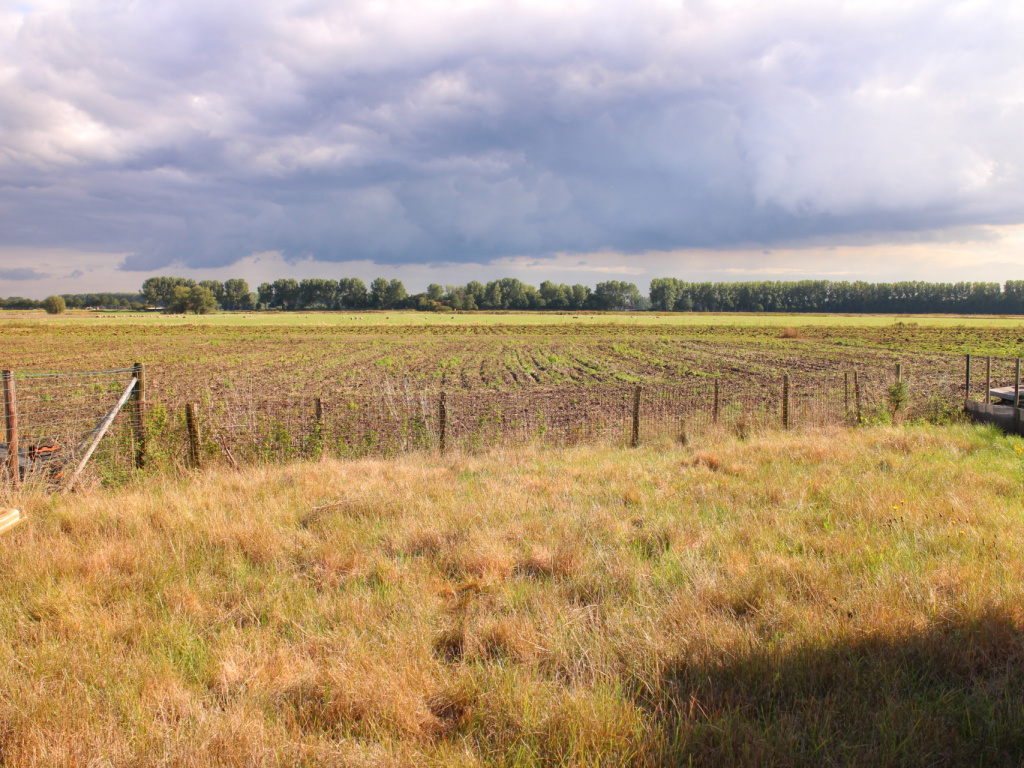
(324, 355)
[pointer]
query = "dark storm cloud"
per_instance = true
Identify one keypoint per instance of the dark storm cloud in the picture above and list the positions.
(200, 133)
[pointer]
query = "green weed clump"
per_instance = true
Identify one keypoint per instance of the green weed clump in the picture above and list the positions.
(843, 597)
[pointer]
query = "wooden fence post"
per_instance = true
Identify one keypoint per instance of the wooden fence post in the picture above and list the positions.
(11, 414)
(139, 414)
(899, 372)
(785, 401)
(442, 421)
(988, 380)
(967, 383)
(1016, 386)
(315, 445)
(856, 397)
(846, 395)
(1016, 398)
(192, 424)
(635, 441)
(714, 407)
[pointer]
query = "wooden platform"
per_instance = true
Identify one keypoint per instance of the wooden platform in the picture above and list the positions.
(1006, 417)
(1004, 393)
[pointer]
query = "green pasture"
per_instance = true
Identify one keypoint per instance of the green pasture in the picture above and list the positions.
(413, 318)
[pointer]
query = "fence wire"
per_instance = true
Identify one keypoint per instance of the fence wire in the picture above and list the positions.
(252, 421)
(56, 412)
(389, 417)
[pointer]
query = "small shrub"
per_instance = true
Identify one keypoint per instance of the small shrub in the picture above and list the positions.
(54, 305)
(897, 396)
(941, 413)
(741, 428)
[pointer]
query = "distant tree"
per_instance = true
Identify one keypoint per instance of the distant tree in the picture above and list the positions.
(286, 293)
(424, 303)
(160, 290)
(1013, 297)
(435, 292)
(352, 294)
(216, 287)
(318, 293)
(493, 298)
(460, 298)
(665, 292)
(478, 291)
(17, 302)
(615, 294)
(196, 299)
(387, 294)
(378, 293)
(396, 294)
(236, 294)
(178, 303)
(555, 296)
(54, 305)
(265, 295)
(515, 294)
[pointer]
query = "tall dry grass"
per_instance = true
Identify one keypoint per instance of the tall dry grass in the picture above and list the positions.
(842, 597)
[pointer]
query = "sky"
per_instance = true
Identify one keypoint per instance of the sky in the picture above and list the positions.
(559, 140)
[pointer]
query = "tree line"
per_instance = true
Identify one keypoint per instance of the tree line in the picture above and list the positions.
(668, 294)
(178, 294)
(79, 301)
(908, 297)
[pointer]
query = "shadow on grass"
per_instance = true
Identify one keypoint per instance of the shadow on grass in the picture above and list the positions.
(952, 694)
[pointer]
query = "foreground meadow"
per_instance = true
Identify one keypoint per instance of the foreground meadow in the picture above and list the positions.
(827, 598)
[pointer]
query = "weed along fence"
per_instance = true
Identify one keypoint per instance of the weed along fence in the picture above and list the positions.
(386, 418)
(62, 427)
(997, 381)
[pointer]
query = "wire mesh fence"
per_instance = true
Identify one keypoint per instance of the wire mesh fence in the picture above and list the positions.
(390, 417)
(250, 421)
(50, 417)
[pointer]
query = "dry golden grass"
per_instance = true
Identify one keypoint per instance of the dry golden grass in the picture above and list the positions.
(842, 597)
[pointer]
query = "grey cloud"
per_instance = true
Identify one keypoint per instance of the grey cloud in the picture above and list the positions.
(199, 133)
(22, 273)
